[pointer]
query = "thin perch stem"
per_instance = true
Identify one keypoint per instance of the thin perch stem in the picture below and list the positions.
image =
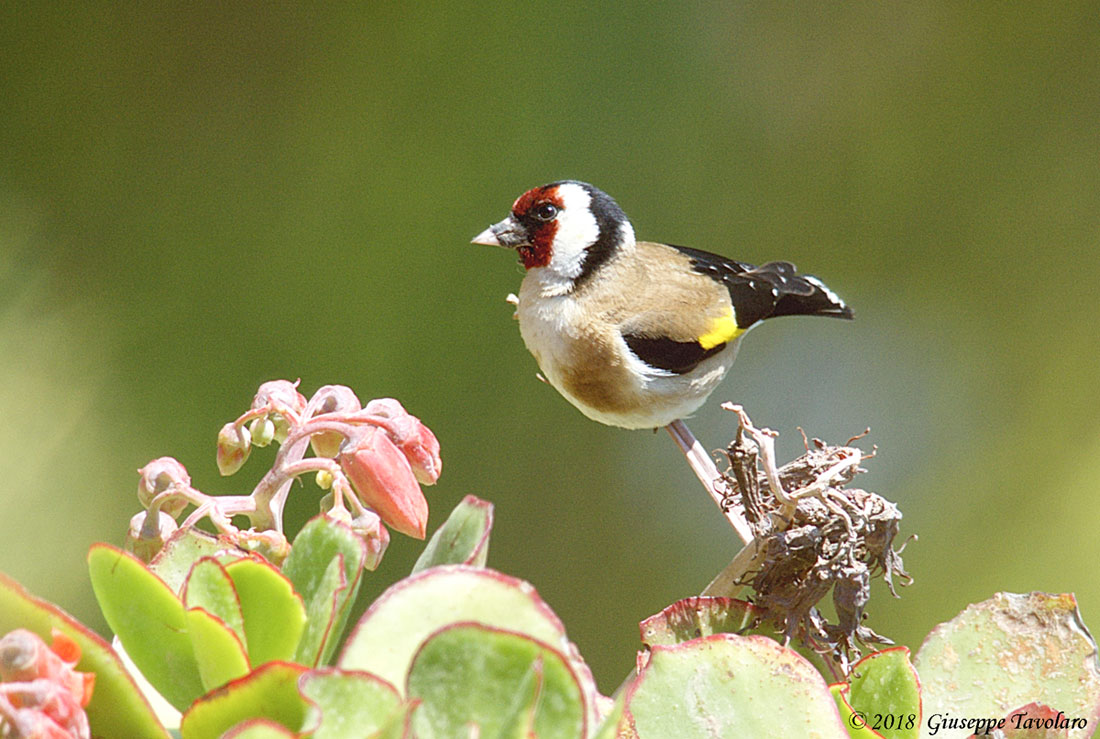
(727, 583)
(703, 466)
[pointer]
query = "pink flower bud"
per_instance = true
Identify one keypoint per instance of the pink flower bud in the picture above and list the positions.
(269, 544)
(333, 399)
(382, 478)
(147, 535)
(20, 655)
(376, 536)
(262, 431)
(279, 395)
(234, 446)
(326, 443)
(386, 407)
(412, 437)
(159, 476)
(423, 453)
(330, 399)
(280, 426)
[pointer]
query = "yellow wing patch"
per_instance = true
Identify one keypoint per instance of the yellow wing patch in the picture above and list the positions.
(722, 330)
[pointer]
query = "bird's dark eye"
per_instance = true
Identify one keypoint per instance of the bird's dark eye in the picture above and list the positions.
(545, 211)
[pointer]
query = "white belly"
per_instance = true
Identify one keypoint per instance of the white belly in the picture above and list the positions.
(562, 341)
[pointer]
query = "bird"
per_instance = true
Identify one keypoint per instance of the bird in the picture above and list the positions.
(636, 334)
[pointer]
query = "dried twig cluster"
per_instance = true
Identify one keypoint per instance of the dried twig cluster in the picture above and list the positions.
(812, 535)
(805, 534)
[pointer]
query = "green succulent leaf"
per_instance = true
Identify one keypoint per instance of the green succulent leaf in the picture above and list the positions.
(218, 652)
(613, 721)
(506, 684)
(210, 588)
(692, 618)
(462, 539)
(117, 707)
(856, 724)
(727, 685)
(704, 615)
(393, 628)
(149, 620)
(1009, 651)
(346, 704)
(259, 728)
(884, 685)
(322, 614)
(268, 692)
(181, 551)
(325, 565)
(272, 612)
(518, 718)
(398, 727)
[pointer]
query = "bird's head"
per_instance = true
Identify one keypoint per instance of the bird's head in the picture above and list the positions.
(567, 227)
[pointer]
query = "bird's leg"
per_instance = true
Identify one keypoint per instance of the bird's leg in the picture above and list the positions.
(703, 467)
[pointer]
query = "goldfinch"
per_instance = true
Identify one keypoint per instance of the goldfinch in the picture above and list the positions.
(633, 333)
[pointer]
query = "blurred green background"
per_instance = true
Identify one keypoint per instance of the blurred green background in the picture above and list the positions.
(194, 200)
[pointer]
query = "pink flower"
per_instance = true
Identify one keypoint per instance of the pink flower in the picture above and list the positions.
(384, 480)
(330, 399)
(376, 536)
(412, 437)
(234, 446)
(45, 695)
(162, 475)
(280, 396)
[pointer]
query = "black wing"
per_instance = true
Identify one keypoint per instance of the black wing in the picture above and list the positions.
(773, 289)
(664, 353)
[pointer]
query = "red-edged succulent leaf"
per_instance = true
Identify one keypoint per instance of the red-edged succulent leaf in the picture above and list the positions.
(856, 722)
(326, 567)
(268, 692)
(260, 728)
(182, 550)
(692, 618)
(503, 682)
(218, 652)
(885, 685)
(210, 588)
(397, 623)
(728, 685)
(274, 615)
(462, 539)
(1007, 651)
(348, 703)
(149, 620)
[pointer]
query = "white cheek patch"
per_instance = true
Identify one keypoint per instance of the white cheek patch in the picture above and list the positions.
(577, 230)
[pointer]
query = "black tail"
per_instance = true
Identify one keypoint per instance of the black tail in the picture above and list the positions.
(776, 289)
(772, 289)
(805, 295)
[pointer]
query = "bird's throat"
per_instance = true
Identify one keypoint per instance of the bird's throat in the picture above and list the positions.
(536, 254)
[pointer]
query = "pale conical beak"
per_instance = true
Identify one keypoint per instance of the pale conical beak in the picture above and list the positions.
(487, 237)
(509, 233)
